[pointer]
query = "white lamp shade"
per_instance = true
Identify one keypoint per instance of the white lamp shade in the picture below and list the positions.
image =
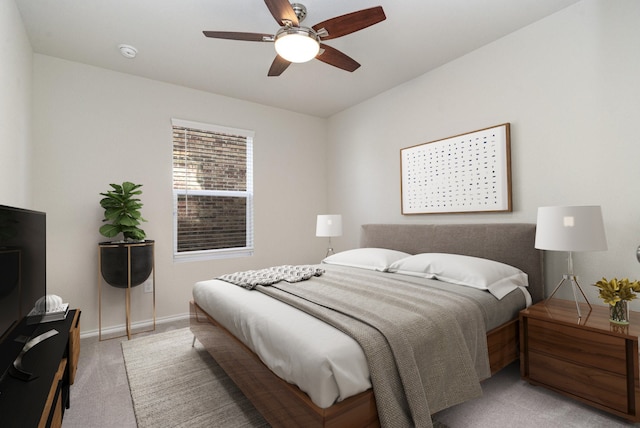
(577, 228)
(329, 225)
(297, 44)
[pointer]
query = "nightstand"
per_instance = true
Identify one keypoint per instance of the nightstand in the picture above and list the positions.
(591, 359)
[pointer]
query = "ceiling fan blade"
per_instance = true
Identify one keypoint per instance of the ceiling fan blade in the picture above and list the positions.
(234, 35)
(278, 66)
(282, 11)
(336, 58)
(351, 22)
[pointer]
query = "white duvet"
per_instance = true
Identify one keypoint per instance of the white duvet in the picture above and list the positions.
(271, 329)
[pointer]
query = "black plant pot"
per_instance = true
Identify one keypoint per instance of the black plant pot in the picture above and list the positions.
(114, 262)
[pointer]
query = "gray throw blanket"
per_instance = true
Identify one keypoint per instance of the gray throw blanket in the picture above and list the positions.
(426, 351)
(250, 279)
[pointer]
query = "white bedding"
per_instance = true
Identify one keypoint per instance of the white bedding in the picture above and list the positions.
(328, 365)
(271, 329)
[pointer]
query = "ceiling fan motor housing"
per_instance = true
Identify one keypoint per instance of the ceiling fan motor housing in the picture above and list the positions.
(300, 11)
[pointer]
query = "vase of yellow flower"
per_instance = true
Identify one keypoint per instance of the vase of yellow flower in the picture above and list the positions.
(617, 293)
(619, 312)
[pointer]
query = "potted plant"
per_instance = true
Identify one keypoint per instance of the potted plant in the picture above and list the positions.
(127, 262)
(617, 293)
(122, 210)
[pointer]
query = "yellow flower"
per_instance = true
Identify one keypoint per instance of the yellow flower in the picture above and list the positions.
(615, 290)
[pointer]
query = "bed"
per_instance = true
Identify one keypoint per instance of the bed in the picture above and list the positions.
(282, 403)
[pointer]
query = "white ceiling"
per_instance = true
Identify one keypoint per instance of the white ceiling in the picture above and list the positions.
(417, 36)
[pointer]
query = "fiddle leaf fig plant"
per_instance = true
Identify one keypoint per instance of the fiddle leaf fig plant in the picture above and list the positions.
(122, 211)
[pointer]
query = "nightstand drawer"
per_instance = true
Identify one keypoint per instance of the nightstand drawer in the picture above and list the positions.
(598, 386)
(578, 345)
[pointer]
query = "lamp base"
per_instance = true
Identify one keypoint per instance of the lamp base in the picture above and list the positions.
(573, 280)
(329, 252)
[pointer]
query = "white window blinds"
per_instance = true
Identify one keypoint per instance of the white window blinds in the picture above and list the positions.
(212, 190)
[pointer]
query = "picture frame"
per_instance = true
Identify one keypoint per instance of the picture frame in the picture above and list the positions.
(466, 173)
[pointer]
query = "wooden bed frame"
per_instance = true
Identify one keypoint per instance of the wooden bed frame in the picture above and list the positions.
(285, 405)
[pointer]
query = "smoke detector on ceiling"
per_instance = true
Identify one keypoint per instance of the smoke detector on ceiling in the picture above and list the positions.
(128, 51)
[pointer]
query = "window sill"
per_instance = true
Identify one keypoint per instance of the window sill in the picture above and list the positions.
(197, 256)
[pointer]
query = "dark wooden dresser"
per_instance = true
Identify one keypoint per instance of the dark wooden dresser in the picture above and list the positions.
(589, 359)
(41, 401)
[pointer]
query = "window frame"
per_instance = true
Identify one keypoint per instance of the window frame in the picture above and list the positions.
(222, 253)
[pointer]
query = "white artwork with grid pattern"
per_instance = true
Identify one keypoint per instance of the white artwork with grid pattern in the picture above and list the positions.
(465, 173)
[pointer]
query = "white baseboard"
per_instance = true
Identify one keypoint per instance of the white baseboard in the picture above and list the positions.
(140, 325)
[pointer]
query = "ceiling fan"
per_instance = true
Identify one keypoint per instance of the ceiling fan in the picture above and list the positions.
(295, 43)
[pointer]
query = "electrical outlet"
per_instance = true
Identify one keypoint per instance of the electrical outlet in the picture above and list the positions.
(148, 287)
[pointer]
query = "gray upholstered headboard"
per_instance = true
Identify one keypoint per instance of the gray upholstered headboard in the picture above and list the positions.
(510, 243)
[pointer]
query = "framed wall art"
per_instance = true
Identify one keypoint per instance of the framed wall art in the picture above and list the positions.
(461, 174)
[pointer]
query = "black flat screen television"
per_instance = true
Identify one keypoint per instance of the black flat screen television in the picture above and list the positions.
(22, 274)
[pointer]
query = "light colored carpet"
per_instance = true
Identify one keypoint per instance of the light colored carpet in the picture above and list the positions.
(100, 397)
(509, 401)
(175, 385)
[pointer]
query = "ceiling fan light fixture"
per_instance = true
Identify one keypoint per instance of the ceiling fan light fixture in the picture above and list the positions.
(297, 44)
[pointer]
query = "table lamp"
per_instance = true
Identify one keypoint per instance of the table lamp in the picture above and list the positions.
(571, 228)
(329, 225)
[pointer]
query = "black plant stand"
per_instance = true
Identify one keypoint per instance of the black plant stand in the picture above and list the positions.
(130, 249)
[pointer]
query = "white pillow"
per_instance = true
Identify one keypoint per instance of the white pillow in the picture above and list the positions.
(366, 258)
(498, 278)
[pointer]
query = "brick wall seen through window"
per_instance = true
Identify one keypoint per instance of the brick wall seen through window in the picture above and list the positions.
(213, 191)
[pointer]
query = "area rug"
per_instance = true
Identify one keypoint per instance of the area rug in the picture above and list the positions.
(175, 385)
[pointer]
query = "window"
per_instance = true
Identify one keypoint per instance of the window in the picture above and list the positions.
(212, 191)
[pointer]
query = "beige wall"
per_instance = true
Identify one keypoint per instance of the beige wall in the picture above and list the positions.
(568, 85)
(93, 127)
(15, 108)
